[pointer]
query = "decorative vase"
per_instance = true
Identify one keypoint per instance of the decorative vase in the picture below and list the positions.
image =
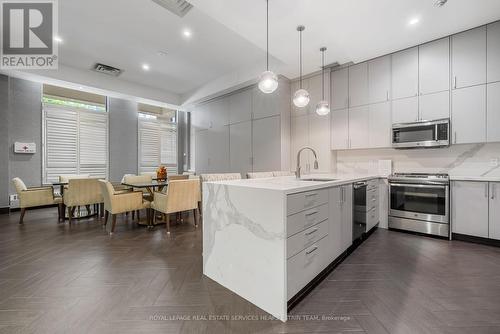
(161, 173)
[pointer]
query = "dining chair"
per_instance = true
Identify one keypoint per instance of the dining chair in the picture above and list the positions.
(283, 173)
(36, 196)
(66, 177)
(182, 195)
(145, 178)
(82, 192)
(115, 203)
(177, 177)
(259, 175)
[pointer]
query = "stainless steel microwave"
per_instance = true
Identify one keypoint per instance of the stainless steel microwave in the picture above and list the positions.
(424, 134)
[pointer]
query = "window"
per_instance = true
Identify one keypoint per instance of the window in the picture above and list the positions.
(75, 138)
(157, 142)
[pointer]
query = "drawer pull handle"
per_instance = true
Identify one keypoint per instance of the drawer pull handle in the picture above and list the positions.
(311, 213)
(312, 250)
(312, 194)
(374, 199)
(311, 231)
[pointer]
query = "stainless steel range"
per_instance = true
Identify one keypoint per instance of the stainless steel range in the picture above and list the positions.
(420, 203)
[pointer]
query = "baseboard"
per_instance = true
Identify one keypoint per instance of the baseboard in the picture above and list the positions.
(35, 207)
(299, 296)
(4, 210)
(476, 240)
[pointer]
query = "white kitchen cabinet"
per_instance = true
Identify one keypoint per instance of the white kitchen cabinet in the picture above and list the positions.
(469, 115)
(217, 149)
(266, 144)
(494, 210)
(405, 73)
(379, 79)
(358, 84)
(201, 161)
(405, 110)
(380, 125)
(346, 213)
(266, 105)
(468, 58)
(200, 118)
(469, 208)
(300, 139)
(335, 222)
(240, 147)
(493, 112)
(339, 129)
(434, 106)
(296, 111)
(218, 111)
(319, 130)
(493, 52)
(240, 106)
(434, 66)
(340, 89)
(359, 127)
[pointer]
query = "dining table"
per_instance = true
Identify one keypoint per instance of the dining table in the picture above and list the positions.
(150, 186)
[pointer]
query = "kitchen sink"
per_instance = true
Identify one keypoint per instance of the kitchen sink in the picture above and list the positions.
(317, 179)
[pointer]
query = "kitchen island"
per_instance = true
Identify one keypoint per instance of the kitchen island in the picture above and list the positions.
(268, 239)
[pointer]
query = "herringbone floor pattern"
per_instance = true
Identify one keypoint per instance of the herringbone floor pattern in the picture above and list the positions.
(56, 278)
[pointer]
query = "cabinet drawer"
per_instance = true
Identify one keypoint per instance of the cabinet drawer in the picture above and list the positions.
(372, 218)
(371, 184)
(305, 219)
(306, 200)
(306, 265)
(306, 238)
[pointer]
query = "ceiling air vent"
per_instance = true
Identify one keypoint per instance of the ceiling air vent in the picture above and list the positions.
(106, 69)
(178, 7)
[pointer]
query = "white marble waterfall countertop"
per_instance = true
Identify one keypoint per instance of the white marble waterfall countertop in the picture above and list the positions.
(290, 185)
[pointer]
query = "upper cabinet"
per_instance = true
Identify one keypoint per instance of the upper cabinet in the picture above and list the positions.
(434, 106)
(493, 50)
(240, 106)
(379, 79)
(340, 89)
(358, 84)
(266, 105)
(219, 112)
(469, 115)
(468, 58)
(380, 124)
(405, 73)
(493, 112)
(319, 130)
(339, 129)
(434, 66)
(359, 127)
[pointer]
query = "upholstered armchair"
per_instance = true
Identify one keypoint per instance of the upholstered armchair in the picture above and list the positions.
(32, 197)
(115, 203)
(259, 175)
(82, 192)
(283, 173)
(139, 179)
(182, 195)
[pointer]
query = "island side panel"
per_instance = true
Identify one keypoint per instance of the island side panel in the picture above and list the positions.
(244, 243)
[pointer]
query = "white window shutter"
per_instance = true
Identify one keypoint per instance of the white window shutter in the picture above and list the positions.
(149, 145)
(93, 143)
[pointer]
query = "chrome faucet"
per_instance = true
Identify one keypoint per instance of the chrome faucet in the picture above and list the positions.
(297, 171)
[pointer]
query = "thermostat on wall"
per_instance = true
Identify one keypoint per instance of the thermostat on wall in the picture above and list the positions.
(24, 147)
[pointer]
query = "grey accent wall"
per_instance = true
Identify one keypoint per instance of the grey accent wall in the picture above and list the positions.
(4, 141)
(25, 125)
(123, 139)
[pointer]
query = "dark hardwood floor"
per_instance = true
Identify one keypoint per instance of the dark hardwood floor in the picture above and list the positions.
(56, 278)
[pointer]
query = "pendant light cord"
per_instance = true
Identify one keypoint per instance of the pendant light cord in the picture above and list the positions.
(300, 57)
(267, 35)
(323, 75)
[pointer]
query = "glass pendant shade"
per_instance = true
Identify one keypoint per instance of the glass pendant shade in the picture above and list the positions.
(301, 98)
(268, 82)
(322, 108)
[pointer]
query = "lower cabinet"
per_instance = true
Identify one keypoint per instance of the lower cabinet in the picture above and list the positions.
(319, 229)
(475, 208)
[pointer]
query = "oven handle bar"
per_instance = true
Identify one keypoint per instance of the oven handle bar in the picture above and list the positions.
(429, 186)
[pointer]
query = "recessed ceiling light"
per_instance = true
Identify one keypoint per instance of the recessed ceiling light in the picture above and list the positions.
(162, 53)
(58, 39)
(80, 87)
(413, 21)
(186, 33)
(145, 67)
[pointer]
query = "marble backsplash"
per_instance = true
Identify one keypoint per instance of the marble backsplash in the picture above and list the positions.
(460, 160)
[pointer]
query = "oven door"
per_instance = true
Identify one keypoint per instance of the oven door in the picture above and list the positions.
(419, 201)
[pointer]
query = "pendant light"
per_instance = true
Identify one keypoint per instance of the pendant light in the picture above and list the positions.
(268, 81)
(301, 97)
(322, 108)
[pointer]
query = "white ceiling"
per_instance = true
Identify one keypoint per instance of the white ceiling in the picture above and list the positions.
(228, 42)
(353, 30)
(127, 33)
